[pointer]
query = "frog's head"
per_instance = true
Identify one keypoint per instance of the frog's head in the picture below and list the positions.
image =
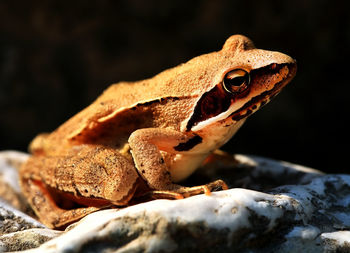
(245, 79)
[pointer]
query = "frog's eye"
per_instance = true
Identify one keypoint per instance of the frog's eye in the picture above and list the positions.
(236, 81)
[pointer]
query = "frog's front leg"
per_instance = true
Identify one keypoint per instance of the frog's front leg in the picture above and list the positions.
(146, 146)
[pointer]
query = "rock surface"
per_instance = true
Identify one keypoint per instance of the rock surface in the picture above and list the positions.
(300, 210)
(18, 231)
(10, 192)
(27, 239)
(12, 220)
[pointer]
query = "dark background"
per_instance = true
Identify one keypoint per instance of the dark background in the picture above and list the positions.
(56, 57)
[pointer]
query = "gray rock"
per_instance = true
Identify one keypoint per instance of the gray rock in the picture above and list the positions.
(12, 220)
(256, 173)
(11, 200)
(27, 239)
(10, 192)
(300, 210)
(306, 218)
(19, 231)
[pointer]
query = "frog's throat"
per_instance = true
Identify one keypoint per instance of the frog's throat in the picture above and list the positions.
(255, 103)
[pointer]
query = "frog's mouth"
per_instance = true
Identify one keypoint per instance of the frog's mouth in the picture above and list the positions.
(216, 106)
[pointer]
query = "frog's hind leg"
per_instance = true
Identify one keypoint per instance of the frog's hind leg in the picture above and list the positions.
(46, 208)
(63, 189)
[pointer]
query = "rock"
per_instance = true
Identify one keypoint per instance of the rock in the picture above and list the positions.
(10, 192)
(16, 230)
(13, 220)
(254, 173)
(291, 209)
(288, 219)
(338, 241)
(27, 239)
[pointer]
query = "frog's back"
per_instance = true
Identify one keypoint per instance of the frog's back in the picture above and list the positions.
(109, 120)
(184, 83)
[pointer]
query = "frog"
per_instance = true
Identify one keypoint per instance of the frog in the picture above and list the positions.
(143, 138)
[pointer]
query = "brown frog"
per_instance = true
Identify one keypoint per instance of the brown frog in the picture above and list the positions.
(144, 137)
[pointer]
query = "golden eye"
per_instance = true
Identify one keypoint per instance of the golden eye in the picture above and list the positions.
(236, 81)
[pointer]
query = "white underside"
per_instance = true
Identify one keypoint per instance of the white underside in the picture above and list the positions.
(213, 137)
(184, 165)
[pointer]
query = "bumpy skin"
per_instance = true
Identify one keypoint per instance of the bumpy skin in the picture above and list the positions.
(141, 137)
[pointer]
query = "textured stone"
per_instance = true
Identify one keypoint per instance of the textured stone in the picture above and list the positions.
(291, 209)
(19, 231)
(10, 192)
(288, 219)
(12, 220)
(27, 239)
(12, 203)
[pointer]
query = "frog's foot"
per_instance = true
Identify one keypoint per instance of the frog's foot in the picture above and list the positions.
(47, 210)
(180, 192)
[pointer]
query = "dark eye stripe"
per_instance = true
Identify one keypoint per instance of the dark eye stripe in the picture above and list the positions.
(210, 105)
